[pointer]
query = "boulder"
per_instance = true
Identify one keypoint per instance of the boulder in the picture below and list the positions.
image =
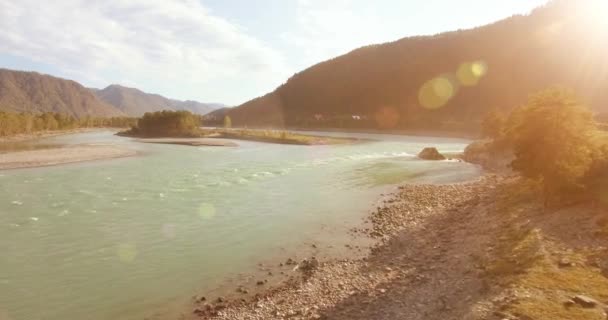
(430, 154)
(584, 301)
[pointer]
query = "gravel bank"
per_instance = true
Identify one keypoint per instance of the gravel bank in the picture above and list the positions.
(422, 266)
(47, 134)
(194, 142)
(62, 155)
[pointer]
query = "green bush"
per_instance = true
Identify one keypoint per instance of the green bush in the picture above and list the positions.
(552, 140)
(168, 123)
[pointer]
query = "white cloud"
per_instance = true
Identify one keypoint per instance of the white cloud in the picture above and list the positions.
(175, 47)
(325, 29)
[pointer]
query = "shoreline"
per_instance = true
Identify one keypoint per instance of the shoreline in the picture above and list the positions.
(193, 142)
(469, 250)
(405, 132)
(61, 155)
(48, 134)
(414, 133)
(329, 281)
(263, 136)
(53, 155)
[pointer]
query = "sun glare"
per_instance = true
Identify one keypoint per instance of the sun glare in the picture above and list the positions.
(596, 12)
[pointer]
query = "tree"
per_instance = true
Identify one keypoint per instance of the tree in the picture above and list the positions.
(492, 124)
(552, 141)
(227, 122)
(17, 123)
(596, 179)
(168, 123)
(50, 123)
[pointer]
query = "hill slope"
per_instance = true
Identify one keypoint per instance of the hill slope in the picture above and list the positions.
(495, 66)
(33, 92)
(135, 102)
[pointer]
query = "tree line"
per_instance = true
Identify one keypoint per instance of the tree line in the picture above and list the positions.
(555, 142)
(24, 123)
(167, 123)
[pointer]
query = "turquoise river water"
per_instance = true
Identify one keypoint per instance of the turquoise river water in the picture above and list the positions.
(119, 239)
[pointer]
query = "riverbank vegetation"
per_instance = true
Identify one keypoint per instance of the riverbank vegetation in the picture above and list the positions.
(166, 124)
(27, 123)
(554, 141)
(183, 124)
(280, 136)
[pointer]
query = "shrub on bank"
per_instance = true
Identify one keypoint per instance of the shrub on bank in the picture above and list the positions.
(554, 141)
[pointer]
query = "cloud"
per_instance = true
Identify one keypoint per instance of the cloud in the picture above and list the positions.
(176, 47)
(325, 29)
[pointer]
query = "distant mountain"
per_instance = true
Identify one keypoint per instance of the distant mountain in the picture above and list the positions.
(33, 92)
(216, 117)
(135, 102)
(391, 86)
(197, 107)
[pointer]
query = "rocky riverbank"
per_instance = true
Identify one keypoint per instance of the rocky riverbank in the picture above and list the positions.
(476, 250)
(399, 268)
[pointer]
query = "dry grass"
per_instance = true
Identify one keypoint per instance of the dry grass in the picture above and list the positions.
(552, 286)
(527, 260)
(543, 308)
(516, 252)
(278, 136)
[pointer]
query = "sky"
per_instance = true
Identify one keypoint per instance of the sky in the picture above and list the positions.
(226, 51)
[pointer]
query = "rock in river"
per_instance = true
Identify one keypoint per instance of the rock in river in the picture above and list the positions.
(430, 154)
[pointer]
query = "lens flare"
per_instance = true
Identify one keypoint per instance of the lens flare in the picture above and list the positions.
(206, 211)
(480, 68)
(436, 93)
(595, 13)
(387, 117)
(469, 73)
(127, 252)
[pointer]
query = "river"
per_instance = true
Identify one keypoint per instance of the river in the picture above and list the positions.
(119, 239)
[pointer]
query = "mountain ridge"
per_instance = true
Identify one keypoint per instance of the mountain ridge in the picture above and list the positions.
(33, 92)
(383, 86)
(136, 102)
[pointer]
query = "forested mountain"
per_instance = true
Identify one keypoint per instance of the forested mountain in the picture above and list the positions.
(135, 102)
(32, 92)
(216, 116)
(447, 81)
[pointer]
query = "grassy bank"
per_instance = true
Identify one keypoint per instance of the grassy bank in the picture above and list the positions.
(267, 136)
(544, 261)
(280, 137)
